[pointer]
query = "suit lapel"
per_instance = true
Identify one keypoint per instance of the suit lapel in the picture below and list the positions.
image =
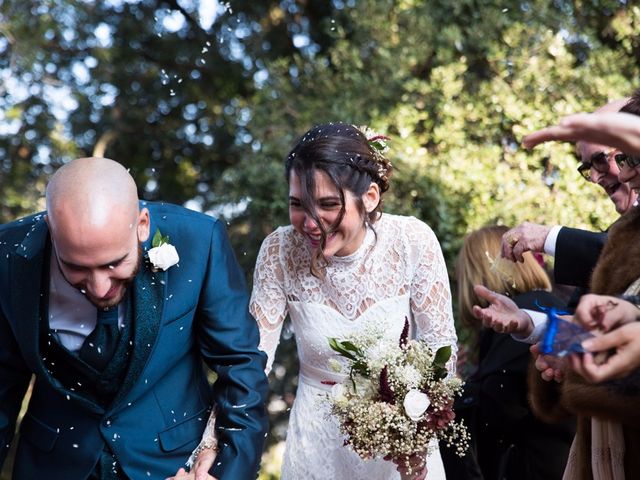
(148, 296)
(27, 268)
(30, 271)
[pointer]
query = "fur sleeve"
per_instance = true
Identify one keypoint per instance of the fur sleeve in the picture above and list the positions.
(609, 401)
(546, 398)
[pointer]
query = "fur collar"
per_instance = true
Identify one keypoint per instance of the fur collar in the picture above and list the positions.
(619, 263)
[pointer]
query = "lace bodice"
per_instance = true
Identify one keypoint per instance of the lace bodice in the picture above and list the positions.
(397, 272)
(402, 258)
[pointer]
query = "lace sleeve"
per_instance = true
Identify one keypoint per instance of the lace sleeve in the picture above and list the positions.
(208, 440)
(268, 306)
(268, 303)
(430, 292)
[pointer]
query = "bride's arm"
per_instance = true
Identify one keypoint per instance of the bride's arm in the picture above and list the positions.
(268, 303)
(430, 292)
(269, 307)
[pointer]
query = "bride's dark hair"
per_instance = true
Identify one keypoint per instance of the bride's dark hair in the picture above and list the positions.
(345, 154)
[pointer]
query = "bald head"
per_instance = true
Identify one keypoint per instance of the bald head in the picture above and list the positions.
(93, 191)
(96, 227)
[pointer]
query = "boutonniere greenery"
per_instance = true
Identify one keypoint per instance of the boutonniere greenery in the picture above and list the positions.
(163, 255)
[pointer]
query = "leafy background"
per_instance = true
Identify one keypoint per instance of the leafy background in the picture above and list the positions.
(203, 100)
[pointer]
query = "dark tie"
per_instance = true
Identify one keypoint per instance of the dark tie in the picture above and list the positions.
(99, 346)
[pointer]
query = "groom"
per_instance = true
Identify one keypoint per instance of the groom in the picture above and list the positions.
(116, 344)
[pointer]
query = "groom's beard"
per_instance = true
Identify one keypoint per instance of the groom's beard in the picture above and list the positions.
(120, 283)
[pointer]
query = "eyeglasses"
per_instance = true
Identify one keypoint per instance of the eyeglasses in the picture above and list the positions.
(599, 162)
(623, 159)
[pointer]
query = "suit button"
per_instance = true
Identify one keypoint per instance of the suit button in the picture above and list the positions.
(107, 422)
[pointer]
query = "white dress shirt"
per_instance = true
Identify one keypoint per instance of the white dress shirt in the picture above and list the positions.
(71, 316)
(551, 240)
(539, 319)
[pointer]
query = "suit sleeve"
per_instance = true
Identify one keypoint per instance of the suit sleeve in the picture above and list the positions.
(577, 252)
(14, 380)
(228, 340)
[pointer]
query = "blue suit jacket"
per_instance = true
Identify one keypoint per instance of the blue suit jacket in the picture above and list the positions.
(197, 310)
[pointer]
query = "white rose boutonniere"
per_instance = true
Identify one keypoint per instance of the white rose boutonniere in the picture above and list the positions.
(415, 404)
(163, 255)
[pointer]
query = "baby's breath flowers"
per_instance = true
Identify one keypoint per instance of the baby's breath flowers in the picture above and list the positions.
(397, 397)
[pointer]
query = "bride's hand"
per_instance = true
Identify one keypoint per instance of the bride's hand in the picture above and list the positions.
(418, 464)
(203, 463)
(182, 474)
(200, 468)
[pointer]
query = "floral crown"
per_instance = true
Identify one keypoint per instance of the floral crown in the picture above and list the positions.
(378, 144)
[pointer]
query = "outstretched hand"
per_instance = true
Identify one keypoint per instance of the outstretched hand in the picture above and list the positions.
(502, 315)
(619, 130)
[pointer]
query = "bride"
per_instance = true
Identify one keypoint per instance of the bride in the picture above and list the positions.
(340, 267)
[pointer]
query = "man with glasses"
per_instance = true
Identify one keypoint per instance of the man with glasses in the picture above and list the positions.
(576, 251)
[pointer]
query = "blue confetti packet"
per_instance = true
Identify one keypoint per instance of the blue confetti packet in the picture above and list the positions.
(561, 337)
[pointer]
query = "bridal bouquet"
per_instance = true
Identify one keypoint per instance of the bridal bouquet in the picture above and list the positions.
(396, 398)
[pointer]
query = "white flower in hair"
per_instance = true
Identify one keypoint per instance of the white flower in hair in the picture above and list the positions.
(377, 141)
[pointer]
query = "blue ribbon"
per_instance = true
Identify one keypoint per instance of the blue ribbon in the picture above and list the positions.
(560, 336)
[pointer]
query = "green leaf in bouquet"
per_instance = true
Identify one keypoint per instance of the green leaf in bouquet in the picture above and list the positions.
(351, 347)
(442, 356)
(353, 380)
(343, 350)
(440, 361)
(439, 372)
(361, 367)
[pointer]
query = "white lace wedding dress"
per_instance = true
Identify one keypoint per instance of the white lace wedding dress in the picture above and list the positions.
(397, 272)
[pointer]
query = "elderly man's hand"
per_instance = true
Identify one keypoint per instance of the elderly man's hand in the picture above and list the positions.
(526, 237)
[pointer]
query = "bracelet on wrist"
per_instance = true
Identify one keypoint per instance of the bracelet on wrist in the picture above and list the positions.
(206, 445)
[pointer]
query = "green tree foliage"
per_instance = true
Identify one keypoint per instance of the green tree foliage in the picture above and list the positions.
(456, 86)
(207, 112)
(145, 82)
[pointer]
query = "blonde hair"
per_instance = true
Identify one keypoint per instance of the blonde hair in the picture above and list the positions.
(475, 266)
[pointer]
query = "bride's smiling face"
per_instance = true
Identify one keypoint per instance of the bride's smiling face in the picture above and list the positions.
(348, 236)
